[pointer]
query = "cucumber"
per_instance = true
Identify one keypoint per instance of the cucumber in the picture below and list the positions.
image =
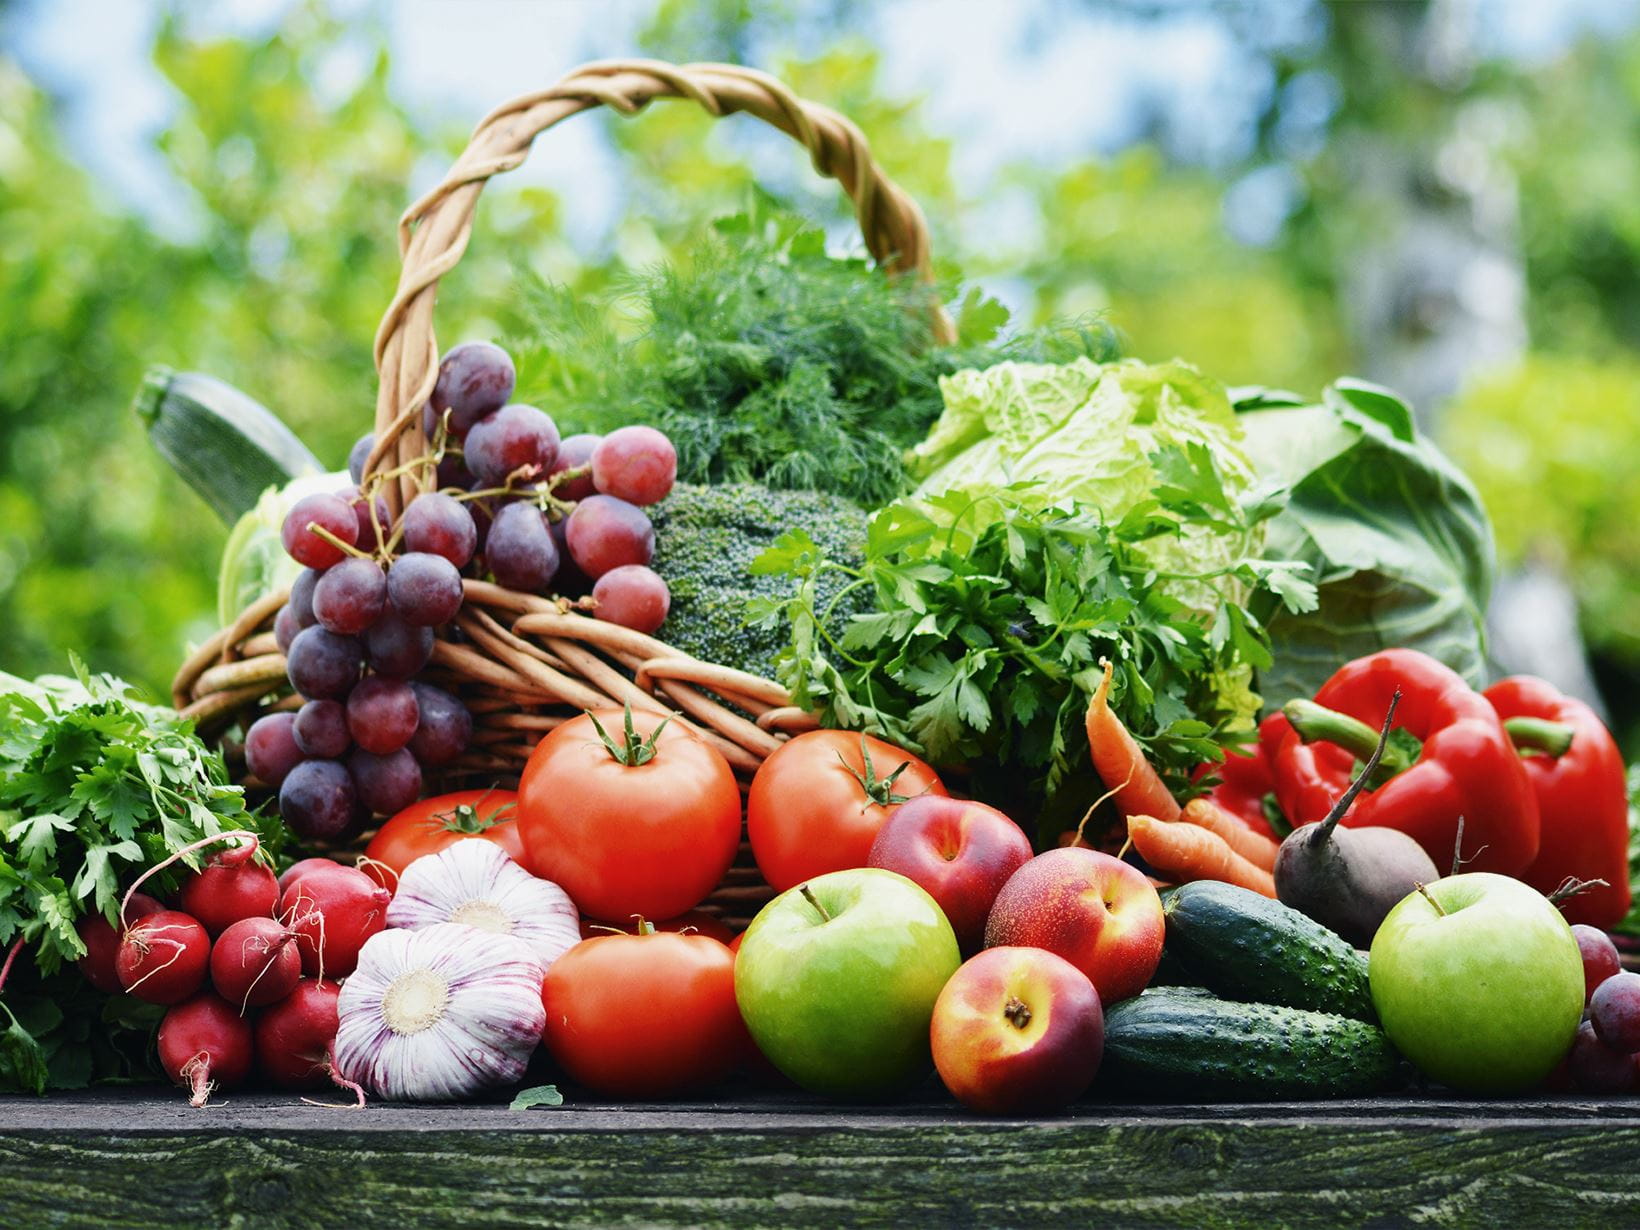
(1177, 1042)
(1246, 946)
(225, 444)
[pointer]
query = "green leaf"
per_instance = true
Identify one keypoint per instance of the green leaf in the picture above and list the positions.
(539, 1095)
(35, 837)
(22, 1061)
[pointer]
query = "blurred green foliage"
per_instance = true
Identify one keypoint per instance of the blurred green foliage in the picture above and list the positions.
(292, 197)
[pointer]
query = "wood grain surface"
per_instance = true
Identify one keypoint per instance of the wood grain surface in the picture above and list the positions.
(143, 1158)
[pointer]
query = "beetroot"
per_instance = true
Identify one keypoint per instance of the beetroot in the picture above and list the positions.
(333, 914)
(226, 891)
(203, 1044)
(255, 963)
(294, 1036)
(102, 941)
(163, 957)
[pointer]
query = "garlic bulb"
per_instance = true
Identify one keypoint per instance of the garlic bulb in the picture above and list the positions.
(439, 1014)
(474, 882)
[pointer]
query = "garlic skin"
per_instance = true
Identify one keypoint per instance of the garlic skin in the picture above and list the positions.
(474, 882)
(440, 1013)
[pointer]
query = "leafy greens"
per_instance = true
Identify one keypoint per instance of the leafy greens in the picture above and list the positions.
(1399, 541)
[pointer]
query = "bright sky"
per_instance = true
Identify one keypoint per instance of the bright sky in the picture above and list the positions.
(1034, 78)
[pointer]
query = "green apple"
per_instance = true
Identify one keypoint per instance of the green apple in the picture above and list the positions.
(1479, 982)
(837, 980)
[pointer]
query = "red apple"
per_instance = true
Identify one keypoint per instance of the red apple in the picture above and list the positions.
(960, 852)
(1099, 913)
(1017, 1031)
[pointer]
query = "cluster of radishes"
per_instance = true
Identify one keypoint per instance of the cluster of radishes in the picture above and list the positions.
(248, 965)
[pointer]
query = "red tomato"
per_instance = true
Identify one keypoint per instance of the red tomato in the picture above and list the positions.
(644, 1016)
(817, 803)
(697, 922)
(645, 824)
(432, 824)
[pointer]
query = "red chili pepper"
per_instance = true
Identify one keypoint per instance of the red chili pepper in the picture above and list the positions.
(1449, 758)
(1581, 796)
(1245, 779)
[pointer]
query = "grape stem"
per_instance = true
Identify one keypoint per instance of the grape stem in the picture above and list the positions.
(347, 548)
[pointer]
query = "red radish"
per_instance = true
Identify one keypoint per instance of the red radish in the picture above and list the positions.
(225, 891)
(334, 913)
(306, 866)
(294, 1036)
(205, 1043)
(102, 941)
(254, 963)
(162, 959)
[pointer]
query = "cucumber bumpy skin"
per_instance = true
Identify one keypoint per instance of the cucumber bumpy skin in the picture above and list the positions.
(1178, 1043)
(1246, 946)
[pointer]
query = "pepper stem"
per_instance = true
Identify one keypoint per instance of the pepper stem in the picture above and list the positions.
(808, 895)
(1374, 758)
(1530, 734)
(1319, 724)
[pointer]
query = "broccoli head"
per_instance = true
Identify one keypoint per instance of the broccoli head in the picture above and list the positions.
(706, 538)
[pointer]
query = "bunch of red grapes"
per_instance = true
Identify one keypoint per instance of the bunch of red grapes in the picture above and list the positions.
(514, 502)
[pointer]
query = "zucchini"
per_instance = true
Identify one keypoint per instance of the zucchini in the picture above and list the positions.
(1246, 946)
(1177, 1042)
(225, 444)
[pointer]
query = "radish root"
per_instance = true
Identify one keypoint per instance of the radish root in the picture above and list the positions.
(197, 1072)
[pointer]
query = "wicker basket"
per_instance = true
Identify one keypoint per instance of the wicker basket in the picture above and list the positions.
(521, 662)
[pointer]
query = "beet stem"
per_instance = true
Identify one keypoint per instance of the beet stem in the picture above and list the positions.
(1348, 797)
(11, 955)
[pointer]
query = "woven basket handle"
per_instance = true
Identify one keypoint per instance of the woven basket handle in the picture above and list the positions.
(434, 231)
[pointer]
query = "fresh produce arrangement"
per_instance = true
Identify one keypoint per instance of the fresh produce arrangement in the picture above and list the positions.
(844, 697)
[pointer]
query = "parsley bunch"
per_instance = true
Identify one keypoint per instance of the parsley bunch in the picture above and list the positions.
(992, 616)
(95, 786)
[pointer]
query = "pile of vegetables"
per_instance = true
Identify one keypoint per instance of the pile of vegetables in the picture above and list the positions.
(1150, 717)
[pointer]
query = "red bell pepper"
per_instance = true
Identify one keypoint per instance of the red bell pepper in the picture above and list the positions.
(1245, 778)
(1581, 796)
(1449, 758)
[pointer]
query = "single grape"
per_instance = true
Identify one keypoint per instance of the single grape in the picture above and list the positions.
(514, 437)
(381, 714)
(569, 581)
(385, 784)
(318, 802)
(1595, 1067)
(633, 596)
(474, 379)
(321, 729)
(424, 588)
(351, 596)
(605, 532)
(301, 596)
(285, 628)
(373, 531)
(323, 665)
(636, 464)
(440, 525)
(1614, 1011)
(453, 472)
(520, 550)
(1600, 959)
(358, 455)
(270, 747)
(443, 728)
(573, 453)
(331, 512)
(395, 647)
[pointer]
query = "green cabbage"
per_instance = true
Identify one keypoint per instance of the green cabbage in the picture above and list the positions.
(254, 562)
(1397, 536)
(1090, 434)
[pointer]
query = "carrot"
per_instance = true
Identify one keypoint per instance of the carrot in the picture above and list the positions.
(1185, 852)
(1121, 764)
(1256, 848)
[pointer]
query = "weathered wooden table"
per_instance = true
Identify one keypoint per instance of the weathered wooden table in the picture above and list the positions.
(131, 1158)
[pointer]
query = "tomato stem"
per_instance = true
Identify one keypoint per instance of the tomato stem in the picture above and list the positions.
(879, 790)
(633, 750)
